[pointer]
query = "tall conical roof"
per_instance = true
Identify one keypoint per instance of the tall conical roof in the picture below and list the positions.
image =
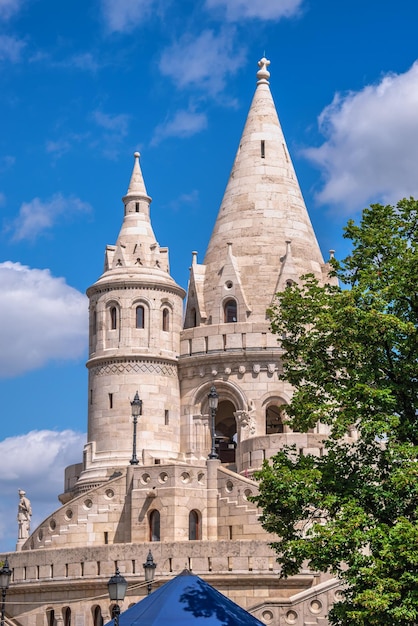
(137, 250)
(262, 210)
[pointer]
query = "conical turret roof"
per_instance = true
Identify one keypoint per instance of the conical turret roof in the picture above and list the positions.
(262, 210)
(136, 254)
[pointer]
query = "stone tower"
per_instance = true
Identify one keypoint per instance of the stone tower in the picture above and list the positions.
(163, 489)
(262, 240)
(135, 321)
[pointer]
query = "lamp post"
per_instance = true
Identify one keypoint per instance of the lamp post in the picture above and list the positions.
(213, 405)
(5, 574)
(149, 569)
(117, 589)
(136, 409)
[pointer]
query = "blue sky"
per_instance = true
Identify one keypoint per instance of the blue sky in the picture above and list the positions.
(83, 84)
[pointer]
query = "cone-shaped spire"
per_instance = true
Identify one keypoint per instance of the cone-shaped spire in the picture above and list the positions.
(137, 185)
(136, 247)
(262, 208)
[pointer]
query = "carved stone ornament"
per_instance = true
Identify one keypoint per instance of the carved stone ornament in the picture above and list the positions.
(246, 422)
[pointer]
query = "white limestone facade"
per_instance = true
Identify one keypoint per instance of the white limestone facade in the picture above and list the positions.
(160, 491)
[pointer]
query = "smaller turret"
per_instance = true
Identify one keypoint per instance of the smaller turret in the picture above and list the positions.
(135, 321)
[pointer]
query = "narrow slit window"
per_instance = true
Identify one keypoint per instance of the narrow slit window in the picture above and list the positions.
(194, 526)
(110, 400)
(67, 616)
(263, 149)
(166, 417)
(154, 525)
(113, 318)
(137, 207)
(140, 317)
(166, 320)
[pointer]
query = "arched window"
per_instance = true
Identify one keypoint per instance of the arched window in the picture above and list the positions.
(140, 317)
(166, 320)
(194, 526)
(274, 420)
(66, 616)
(97, 616)
(154, 525)
(50, 617)
(113, 318)
(230, 311)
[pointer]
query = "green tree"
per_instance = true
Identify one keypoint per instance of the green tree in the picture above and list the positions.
(351, 355)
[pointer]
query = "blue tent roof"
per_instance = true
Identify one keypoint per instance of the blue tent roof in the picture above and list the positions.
(187, 599)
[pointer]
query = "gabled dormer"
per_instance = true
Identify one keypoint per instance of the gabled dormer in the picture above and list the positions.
(232, 303)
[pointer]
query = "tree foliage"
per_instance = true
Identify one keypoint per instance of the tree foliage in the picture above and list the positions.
(351, 355)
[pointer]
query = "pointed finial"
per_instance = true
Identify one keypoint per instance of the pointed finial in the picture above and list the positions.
(263, 74)
(137, 185)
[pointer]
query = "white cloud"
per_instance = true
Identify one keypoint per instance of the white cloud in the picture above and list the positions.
(204, 62)
(236, 10)
(371, 148)
(34, 462)
(9, 8)
(83, 61)
(58, 148)
(125, 15)
(37, 216)
(6, 162)
(10, 48)
(183, 124)
(41, 319)
(115, 123)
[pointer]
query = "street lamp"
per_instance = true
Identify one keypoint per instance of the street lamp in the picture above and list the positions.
(213, 405)
(5, 574)
(117, 589)
(136, 409)
(149, 569)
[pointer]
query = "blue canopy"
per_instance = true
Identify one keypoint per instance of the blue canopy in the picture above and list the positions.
(187, 599)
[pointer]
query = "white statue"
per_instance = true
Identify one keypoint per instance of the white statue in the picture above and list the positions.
(24, 513)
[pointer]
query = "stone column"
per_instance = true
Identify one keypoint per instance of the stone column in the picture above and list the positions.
(212, 499)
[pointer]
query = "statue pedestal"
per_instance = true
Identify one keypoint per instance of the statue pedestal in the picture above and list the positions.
(19, 544)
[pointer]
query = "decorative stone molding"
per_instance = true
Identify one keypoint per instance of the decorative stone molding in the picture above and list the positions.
(143, 367)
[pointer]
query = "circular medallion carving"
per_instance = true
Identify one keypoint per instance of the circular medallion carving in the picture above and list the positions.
(267, 616)
(291, 617)
(163, 477)
(315, 606)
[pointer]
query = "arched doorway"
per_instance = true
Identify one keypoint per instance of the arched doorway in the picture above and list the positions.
(225, 429)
